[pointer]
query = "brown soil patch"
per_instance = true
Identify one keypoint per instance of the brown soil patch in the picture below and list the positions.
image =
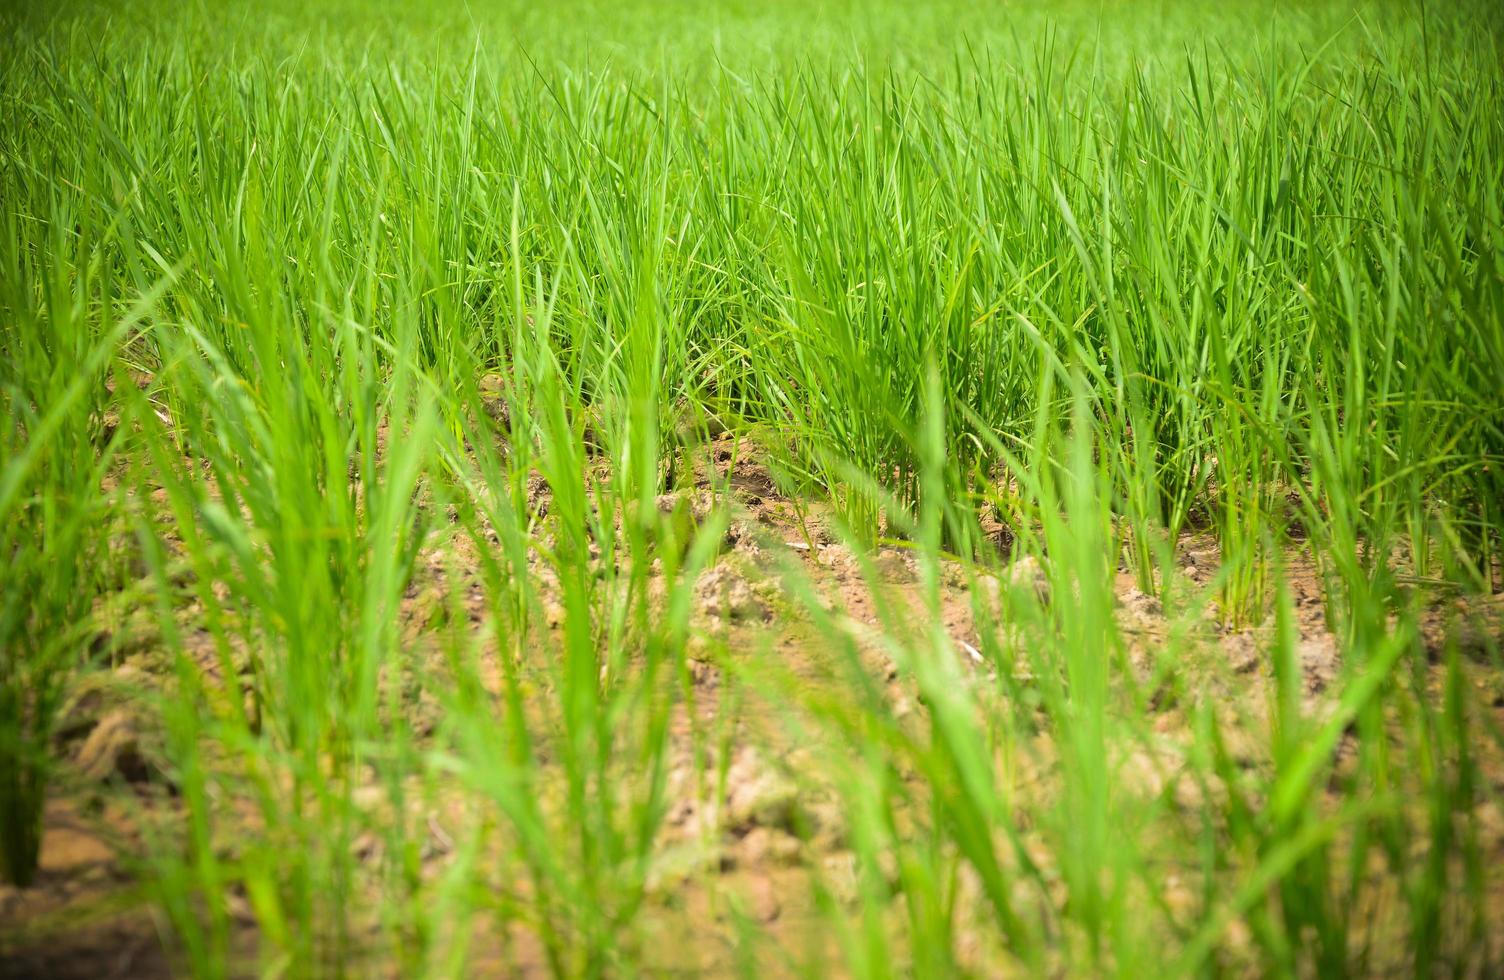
(752, 820)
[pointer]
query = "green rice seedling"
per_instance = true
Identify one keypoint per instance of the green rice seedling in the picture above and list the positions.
(405, 341)
(59, 445)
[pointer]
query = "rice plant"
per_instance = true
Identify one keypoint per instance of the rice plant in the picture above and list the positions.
(861, 488)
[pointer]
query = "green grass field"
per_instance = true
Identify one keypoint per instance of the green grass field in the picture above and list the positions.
(796, 488)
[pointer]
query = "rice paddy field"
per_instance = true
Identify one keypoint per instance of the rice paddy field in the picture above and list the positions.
(822, 488)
